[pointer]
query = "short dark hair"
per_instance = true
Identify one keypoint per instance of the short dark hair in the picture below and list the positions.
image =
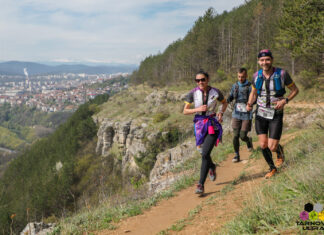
(203, 72)
(241, 70)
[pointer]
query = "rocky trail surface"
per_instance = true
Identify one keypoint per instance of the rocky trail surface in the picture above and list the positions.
(222, 201)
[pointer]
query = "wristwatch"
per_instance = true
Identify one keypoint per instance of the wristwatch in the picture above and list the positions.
(287, 100)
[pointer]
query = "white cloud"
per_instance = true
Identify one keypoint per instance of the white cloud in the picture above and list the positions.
(96, 30)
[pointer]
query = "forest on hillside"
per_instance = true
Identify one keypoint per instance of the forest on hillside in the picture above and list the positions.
(221, 43)
(42, 178)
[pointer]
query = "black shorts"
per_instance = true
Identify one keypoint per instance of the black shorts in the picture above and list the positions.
(242, 125)
(274, 126)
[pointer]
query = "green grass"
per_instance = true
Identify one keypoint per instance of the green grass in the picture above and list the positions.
(182, 223)
(293, 110)
(124, 104)
(256, 154)
(9, 139)
(276, 206)
(314, 94)
(107, 214)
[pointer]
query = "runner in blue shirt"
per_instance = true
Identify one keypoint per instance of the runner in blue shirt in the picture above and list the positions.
(241, 118)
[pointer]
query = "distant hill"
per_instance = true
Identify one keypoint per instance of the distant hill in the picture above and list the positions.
(17, 68)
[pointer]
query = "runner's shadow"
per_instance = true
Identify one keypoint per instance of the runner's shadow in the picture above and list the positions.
(226, 182)
(209, 193)
(244, 178)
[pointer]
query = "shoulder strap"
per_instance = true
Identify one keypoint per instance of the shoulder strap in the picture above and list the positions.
(277, 79)
(205, 101)
(248, 87)
(236, 90)
(259, 82)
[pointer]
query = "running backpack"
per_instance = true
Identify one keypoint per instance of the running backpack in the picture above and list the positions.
(280, 90)
(246, 93)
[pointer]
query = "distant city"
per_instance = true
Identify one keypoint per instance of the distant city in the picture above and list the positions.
(55, 92)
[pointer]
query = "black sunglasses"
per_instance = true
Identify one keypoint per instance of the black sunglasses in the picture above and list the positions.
(200, 80)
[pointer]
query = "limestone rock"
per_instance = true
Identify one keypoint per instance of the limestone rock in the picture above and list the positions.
(127, 135)
(105, 135)
(159, 97)
(160, 176)
(38, 228)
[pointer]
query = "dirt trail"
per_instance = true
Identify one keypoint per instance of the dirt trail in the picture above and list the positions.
(212, 216)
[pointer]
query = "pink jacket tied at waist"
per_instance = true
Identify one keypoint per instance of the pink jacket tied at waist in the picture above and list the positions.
(206, 125)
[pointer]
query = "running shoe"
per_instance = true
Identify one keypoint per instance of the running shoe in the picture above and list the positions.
(200, 189)
(212, 174)
(271, 173)
(236, 158)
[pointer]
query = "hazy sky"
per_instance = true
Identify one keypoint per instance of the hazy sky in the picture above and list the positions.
(120, 31)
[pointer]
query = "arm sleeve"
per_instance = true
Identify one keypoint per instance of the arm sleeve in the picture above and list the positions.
(189, 98)
(220, 96)
(287, 79)
(231, 95)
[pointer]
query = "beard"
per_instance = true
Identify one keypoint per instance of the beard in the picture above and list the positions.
(267, 67)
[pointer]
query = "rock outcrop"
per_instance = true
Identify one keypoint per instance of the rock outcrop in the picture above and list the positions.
(38, 228)
(158, 97)
(161, 176)
(127, 135)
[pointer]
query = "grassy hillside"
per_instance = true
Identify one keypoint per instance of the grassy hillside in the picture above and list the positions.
(276, 206)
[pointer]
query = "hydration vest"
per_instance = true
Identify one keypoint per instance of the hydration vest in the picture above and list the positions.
(245, 91)
(211, 101)
(279, 87)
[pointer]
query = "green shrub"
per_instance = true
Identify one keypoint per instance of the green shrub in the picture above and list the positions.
(160, 116)
(307, 79)
(146, 160)
(220, 75)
